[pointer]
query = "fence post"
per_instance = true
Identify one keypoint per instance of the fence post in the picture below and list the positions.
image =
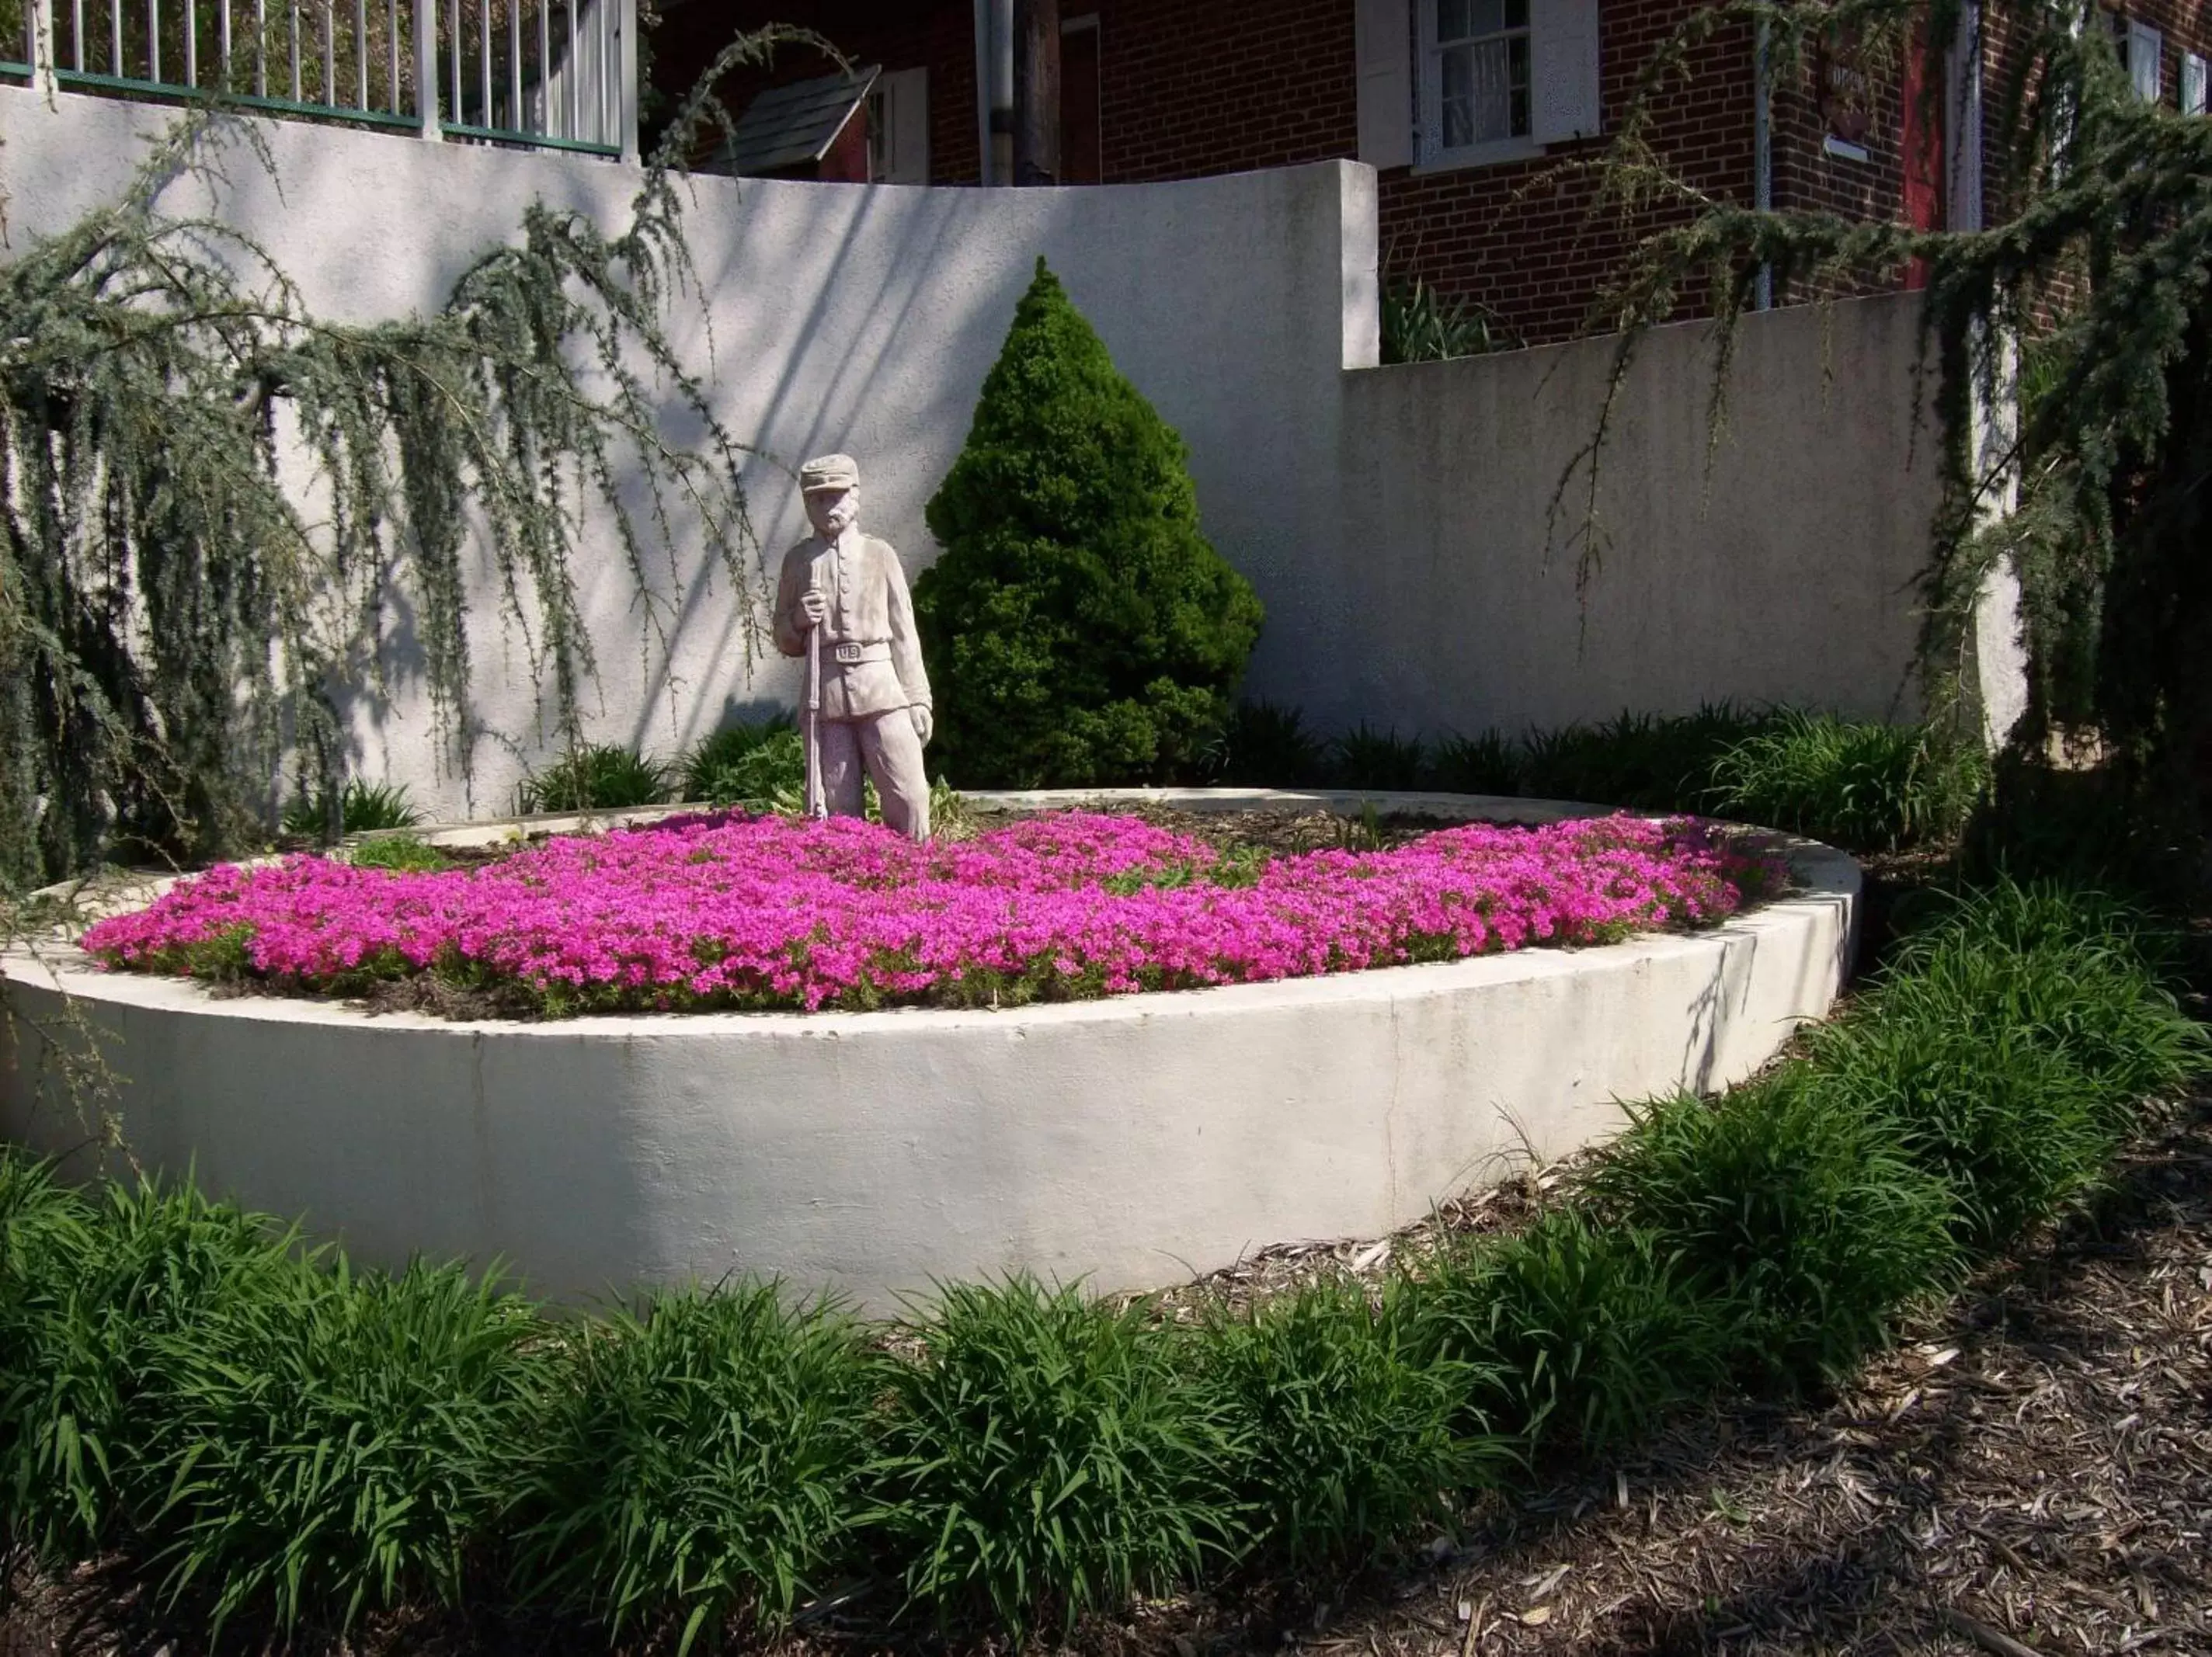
(426, 68)
(41, 45)
(626, 76)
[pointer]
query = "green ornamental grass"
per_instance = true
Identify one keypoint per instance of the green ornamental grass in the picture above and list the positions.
(331, 1443)
(1581, 1336)
(1867, 787)
(1790, 1205)
(1049, 1456)
(597, 777)
(97, 1297)
(703, 1460)
(1349, 1434)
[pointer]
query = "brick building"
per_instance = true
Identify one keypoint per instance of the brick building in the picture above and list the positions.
(1467, 108)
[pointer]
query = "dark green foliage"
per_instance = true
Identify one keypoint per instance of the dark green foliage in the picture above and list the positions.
(1048, 1457)
(1647, 761)
(1364, 757)
(1787, 1200)
(162, 647)
(1583, 1336)
(1422, 325)
(402, 852)
(92, 1326)
(1864, 786)
(702, 1461)
(1266, 746)
(2007, 1051)
(362, 807)
(767, 774)
(1487, 764)
(597, 777)
(746, 765)
(1078, 627)
(1351, 1434)
(334, 1444)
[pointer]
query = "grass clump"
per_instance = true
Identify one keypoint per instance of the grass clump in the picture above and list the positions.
(331, 1444)
(597, 777)
(702, 1461)
(1579, 1335)
(2008, 1048)
(1265, 746)
(98, 1301)
(1350, 1434)
(1789, 1205)
(1049, 1457)
(1867, 787)
(362, 807)
(1364, 757)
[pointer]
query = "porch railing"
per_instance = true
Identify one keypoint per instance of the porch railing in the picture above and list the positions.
(549, 74)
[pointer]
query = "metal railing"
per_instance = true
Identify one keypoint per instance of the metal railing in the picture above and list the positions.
(551, 74)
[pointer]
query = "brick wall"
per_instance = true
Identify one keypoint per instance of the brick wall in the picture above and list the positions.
(1190, 87)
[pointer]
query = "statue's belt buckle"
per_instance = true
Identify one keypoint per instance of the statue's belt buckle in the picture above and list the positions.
(849, 652)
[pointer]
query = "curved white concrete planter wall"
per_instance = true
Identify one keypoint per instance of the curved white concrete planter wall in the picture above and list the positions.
(1131, 1141)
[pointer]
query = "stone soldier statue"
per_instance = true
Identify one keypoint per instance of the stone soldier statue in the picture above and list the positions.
(843, 603)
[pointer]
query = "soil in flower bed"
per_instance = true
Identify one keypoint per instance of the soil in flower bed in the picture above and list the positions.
(735, 912)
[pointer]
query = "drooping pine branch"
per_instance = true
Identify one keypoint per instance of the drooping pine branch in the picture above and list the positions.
(2090, 274)
(212, 500)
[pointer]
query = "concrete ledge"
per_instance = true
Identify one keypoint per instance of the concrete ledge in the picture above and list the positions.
(1130, 1141)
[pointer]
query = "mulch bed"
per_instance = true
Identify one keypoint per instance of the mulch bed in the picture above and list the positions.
(2030, 1469)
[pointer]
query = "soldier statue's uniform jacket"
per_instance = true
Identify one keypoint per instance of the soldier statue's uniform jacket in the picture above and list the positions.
(871, 659)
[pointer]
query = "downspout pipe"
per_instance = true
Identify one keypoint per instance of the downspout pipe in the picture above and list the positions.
(994, 90)
(1762, 149)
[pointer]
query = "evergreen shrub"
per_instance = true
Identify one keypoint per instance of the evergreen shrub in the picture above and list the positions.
(1079, 627)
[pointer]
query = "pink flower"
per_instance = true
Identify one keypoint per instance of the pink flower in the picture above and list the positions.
(730, 911)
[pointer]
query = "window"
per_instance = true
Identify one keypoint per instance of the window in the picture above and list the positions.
(2192, 84)
(1493, 80)
(1479, 54)
(898, 128)
(2145, 54)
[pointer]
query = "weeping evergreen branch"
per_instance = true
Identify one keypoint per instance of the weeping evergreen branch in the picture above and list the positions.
(2092, 269)
(214, 502)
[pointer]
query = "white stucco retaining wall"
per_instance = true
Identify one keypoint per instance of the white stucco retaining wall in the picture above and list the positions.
(1393, 520)
(1130, 1141)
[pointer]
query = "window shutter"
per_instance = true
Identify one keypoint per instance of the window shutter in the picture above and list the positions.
(2192, 84)
(2145, 46)
(1564, 70)
(1385, 53)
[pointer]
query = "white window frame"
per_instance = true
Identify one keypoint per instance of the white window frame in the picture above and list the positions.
(1430, 153)
(899, 101)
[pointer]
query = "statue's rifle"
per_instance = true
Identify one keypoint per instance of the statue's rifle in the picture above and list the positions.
(817, 807)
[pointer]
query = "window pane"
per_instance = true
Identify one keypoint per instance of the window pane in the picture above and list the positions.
(1489, 16)
(1459, 97)
(1517, 124)
(1452, 20)
(1517, 14)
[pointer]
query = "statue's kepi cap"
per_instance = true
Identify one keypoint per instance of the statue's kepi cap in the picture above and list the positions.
(830, 472)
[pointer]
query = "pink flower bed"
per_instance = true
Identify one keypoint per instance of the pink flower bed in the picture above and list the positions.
(768, 912)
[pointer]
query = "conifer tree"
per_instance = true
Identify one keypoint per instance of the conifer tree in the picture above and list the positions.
(1079, 627)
